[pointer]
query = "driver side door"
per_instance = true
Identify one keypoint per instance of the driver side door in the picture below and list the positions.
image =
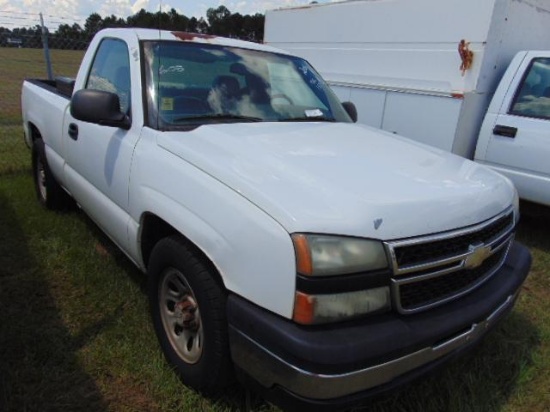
(98, 157)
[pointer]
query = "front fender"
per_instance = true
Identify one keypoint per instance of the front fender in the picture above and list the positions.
(252, 252)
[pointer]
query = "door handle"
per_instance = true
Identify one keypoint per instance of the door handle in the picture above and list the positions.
(73, 131)
(505, 131)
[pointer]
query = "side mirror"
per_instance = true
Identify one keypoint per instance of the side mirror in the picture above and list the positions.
(99, 107)
(351, 110)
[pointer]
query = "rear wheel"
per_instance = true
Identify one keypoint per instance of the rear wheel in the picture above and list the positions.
(49, 193)
(188, 310)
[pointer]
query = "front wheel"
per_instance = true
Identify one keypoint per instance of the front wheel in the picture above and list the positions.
(188, 311)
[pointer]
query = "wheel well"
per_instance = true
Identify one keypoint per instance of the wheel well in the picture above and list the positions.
(154, 229)
(35, 133)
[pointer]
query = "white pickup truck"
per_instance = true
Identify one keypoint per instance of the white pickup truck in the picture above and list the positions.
(322, 260)
(467, 76)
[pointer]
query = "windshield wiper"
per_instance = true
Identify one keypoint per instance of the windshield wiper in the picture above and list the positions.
(308, 119)
(219, 116)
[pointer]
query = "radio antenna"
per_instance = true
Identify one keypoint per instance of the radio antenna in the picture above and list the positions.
(160, 16)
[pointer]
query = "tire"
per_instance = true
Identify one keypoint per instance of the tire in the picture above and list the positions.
(49, 193)
(188, 310)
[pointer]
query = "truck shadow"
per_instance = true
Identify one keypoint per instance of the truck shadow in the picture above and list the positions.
(534, 226)
(39, 370)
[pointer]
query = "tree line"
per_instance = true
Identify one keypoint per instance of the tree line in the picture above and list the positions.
(219, 21)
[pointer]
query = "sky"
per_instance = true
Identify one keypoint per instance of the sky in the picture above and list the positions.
(18, 13)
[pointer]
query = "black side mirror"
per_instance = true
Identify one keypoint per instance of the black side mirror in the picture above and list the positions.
(99, 107)
(351, 110)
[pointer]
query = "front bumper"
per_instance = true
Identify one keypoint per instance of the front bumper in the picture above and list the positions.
(341, 364)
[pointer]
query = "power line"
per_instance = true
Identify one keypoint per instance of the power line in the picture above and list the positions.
(21, 15)
(18, 12)
(16, 18)
(75, 17)
(60, 22)
(26, 13)
(9, 23)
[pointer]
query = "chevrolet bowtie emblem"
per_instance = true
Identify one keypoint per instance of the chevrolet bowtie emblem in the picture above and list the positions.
(477, 255)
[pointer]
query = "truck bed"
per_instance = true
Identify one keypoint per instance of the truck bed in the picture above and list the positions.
(44, 103)
(62, 86)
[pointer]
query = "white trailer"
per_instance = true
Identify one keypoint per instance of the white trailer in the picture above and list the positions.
(402, 63)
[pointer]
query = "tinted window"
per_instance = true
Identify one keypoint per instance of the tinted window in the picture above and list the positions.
(533, 96)
(110, 71)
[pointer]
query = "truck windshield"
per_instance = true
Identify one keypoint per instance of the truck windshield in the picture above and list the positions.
(190, 84)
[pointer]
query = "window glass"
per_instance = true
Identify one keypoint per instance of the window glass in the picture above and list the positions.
(110, 71)
(189, 84)
(287, 83)
(533, 95)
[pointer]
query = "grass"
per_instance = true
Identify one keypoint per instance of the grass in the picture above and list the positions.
(17, 65)
(74, 325)
(75, 332)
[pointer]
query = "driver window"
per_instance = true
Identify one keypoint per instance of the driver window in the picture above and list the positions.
(110, 71)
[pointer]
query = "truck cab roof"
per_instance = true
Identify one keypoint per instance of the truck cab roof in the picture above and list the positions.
(153, 34)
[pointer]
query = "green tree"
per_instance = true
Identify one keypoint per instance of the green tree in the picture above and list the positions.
(142, 19)
(219, 21)
(68, 37)
(253, 27)
(113, 21)
(93, 24)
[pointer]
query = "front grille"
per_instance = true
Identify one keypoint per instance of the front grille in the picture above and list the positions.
(430, 291)
(419, 253)
(432, 270)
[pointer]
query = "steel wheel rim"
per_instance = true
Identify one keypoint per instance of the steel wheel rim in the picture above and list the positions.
(177, 304)
(41, 179)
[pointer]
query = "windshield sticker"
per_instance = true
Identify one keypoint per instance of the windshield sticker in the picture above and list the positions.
(314, 113)
(167, 104)
(315, 83)
(171, 69)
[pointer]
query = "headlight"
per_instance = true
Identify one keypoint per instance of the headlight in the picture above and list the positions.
(315, 309)
(321, 255)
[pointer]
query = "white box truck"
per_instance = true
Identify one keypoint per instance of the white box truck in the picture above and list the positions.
(461, 75)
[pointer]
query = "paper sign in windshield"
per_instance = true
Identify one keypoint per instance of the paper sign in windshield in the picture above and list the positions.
(167, 104)
(314, 113)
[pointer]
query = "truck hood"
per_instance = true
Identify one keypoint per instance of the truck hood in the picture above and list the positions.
(344, 179)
